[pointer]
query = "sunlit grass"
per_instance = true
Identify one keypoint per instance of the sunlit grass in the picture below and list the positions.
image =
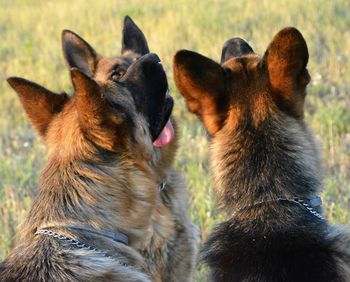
(30, 47)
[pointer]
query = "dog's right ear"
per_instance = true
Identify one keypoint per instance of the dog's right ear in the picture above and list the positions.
(97, 120)
(90, 104)
(201, 82)
(78, 53)
(40, 104)
(286, 59)
(133, 38)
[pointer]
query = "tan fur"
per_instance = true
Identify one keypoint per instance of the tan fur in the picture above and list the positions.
(123, 194)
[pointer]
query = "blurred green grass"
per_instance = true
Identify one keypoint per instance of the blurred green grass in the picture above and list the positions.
(30, 47)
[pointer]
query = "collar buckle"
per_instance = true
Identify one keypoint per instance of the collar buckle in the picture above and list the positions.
(162, 186)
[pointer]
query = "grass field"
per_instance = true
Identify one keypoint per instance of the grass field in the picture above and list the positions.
(30, 47)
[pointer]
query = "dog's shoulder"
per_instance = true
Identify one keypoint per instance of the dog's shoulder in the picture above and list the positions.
(339, 236)
(47, 260)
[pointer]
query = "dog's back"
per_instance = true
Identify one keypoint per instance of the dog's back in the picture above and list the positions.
(234, 254)
(270, 237)
(266, 165)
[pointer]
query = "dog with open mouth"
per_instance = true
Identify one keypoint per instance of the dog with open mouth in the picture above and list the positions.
(109, 206)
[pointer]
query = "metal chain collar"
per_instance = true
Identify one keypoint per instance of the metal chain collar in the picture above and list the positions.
(313, 202)
(75, 243)
(81, 245)
(309, 207)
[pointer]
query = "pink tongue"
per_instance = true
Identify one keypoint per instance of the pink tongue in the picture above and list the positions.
(166, 136)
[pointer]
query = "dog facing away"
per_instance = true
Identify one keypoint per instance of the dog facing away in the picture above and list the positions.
(265, 163)
(109, 206)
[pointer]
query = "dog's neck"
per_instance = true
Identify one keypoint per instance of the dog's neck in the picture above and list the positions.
(116, 195)
(276, 160)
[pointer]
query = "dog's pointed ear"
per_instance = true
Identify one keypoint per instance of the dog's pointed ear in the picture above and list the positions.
(94, 113)
(78, 53)
(89, 100)
(235, 47)
(286, 58)
(40, 104)
(201, 82)
(133, 38)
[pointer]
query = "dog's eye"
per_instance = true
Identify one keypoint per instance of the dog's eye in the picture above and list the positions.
(117, 74)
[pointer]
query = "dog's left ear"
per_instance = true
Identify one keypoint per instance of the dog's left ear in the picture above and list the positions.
(133, 38)
(40, 104)
(235, 47)
(201, 82)
(78, 53)
(285, 59)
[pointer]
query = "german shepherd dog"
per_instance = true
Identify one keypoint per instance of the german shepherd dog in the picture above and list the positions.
(110, 207)
(265, 164)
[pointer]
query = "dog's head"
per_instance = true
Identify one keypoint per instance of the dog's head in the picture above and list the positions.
(253, 109)
(80, 54)
(245, 87)
(135, 108)
(120, 105)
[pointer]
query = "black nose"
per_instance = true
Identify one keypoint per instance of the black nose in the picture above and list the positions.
(146, 68)
(147, 83)
(151, 57)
